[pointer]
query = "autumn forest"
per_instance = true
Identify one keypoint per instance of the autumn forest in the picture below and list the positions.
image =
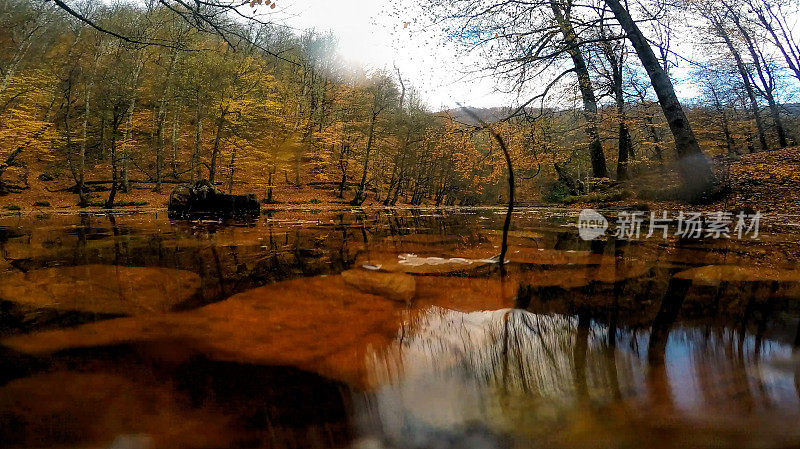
(397, 224)
(103, 101)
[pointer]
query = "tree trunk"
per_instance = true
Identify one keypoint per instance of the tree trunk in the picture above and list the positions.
(776, 117)
(651, 126)
(230, 171)
(693, 165)
(599, 169)
(212, 169)
(778, 26)
(160, 144)
(198, 136)
(359, 198)
(126, 186)
(624, 151)
(726, 130)
(19, 55)
(625, 146)
(114, 181)
(748, 87)
(270, 198)
(343, 168)
(161, 141)
(102, 137)
(174, 143)
(764, 74)
(566, 180)
(75, 171)
(83, 200)
(397, 191)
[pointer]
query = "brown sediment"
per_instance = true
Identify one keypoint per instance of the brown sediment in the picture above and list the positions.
(103, 289)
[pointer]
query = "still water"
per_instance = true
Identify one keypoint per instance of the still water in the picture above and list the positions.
(134, 331)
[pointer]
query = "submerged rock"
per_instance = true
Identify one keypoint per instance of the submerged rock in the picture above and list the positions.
(539, 256)
(716, 274)
(584, 275)
(102, 289)
(203, 199)
(745, 281)
(317, 323)
(465, 294)
(395, 286)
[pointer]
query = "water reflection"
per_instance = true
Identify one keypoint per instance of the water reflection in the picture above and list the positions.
(583, 344)
(570, 379)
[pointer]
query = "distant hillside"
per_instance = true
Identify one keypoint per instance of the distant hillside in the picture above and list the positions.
(487, 115)
(494, 114)
(792, 109)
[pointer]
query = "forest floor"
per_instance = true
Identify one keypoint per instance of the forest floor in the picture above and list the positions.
(53, 195)
(767, 182)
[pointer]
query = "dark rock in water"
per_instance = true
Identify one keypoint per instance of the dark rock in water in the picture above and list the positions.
(203, 199)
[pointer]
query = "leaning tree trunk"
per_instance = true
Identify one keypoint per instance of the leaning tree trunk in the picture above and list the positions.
(748, 87)
(599, 169)
(212, 169)
(767, 80)
(359, 198)
(693, 165)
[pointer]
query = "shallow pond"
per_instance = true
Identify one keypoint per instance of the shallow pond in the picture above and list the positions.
(392, 329)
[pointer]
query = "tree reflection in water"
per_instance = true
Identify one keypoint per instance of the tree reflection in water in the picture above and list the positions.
(563, 380)
(606, 346)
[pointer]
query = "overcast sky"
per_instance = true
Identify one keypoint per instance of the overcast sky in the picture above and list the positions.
(370, 36)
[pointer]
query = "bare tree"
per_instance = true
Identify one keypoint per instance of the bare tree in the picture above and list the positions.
(572, 43)
(766, 77)
(718, 24)
(693, 165)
